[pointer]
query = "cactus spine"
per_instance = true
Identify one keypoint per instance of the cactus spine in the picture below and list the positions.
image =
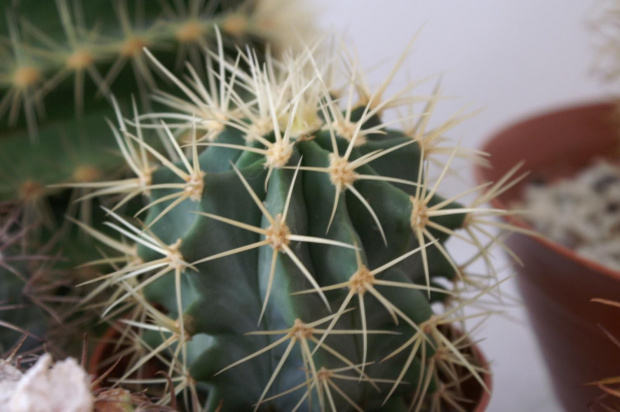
(64, 60)
(62, 63)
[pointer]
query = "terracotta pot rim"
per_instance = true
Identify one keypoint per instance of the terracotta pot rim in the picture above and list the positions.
(575, 105)
(485, 398)
(551, 244)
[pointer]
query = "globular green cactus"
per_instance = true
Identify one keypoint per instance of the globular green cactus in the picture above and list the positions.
(61, 64)
(293, 252)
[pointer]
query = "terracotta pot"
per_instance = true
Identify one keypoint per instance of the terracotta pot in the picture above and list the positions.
(471, 387)
(103, 361)
(103, 351)
(556, 284)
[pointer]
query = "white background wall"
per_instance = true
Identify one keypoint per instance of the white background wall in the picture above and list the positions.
(510, 58)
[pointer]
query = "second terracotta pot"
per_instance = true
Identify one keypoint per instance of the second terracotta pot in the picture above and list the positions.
(556, 284)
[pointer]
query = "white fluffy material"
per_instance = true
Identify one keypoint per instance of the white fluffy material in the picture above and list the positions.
(46, 387)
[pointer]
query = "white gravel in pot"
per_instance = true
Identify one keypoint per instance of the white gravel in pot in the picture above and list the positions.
(582, 213)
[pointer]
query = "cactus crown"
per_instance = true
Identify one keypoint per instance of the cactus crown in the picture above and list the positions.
(293, 243)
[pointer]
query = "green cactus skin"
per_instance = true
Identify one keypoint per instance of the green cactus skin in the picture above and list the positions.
(62, 62)
(18, 270)
(291, 252)
(20, 316)
(64, 59)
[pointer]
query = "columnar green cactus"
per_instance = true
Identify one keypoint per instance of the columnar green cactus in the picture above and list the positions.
(293, 244)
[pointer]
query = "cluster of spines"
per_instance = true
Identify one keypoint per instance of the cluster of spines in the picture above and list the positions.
(60, 51)
(92, 53)
(291, 101)
(603, 20)
(31, 301)
(37, 62)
